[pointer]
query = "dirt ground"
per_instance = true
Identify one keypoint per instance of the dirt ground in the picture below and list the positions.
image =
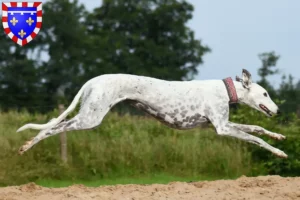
(258, 188)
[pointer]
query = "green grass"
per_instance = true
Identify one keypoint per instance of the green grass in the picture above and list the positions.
(155, 178)
(130, 149)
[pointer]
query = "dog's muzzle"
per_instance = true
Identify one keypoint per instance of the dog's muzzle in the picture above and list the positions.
(264, 108)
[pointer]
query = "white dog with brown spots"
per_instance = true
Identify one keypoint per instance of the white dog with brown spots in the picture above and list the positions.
(178, 104)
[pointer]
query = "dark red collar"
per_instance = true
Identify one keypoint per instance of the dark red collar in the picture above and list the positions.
(233, 98)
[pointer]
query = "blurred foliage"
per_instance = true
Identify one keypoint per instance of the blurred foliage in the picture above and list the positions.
(142, 37)
(123, 146)
(287, 124)
(131, 146)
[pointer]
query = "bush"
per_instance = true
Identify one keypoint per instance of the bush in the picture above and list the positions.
(121, 146)
(135, 146)
(286, 124)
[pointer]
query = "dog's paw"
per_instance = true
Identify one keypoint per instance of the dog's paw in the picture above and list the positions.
(277, 136)
(280, 154)
(25, 147)
(21, 150)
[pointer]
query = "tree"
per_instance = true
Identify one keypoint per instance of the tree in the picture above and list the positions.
(62, 38)
(269, 61)
(287, 92)
(290, 94)
(144, 37)
(20, 81)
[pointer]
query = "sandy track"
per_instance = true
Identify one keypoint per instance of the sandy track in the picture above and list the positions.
(258, 188)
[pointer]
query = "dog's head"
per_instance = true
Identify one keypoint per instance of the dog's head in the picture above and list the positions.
(256, 96)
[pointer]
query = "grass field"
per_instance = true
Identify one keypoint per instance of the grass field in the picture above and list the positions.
(150, 179)
(124, 149)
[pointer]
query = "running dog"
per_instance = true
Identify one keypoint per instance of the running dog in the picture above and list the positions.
(178, 104)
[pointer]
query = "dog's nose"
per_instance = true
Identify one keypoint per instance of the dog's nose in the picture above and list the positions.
(278, 112)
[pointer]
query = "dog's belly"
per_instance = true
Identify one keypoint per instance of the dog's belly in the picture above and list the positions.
(173, 118)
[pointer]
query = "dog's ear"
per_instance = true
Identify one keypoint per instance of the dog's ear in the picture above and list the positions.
(246, 80)
(238, 79)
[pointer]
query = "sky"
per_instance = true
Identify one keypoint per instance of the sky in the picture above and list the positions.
(237, 31)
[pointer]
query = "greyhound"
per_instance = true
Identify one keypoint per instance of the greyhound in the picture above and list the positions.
(177, 104)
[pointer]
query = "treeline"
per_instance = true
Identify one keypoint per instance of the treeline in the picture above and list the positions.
(287, 96)
(143, 37)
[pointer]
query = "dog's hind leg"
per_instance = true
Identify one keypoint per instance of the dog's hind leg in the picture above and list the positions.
(228, 130)
(257, 129)
(79, 122)
(90, 115)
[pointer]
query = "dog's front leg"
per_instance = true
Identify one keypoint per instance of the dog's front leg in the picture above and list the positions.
(219, 118)
(229, 130)
(257, 129)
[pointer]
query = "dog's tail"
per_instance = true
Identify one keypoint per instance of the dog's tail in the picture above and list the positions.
(55, 121)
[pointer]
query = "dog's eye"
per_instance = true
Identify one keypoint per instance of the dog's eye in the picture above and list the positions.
(265, 94)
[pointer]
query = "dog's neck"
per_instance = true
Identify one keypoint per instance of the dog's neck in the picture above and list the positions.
(240, 91)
